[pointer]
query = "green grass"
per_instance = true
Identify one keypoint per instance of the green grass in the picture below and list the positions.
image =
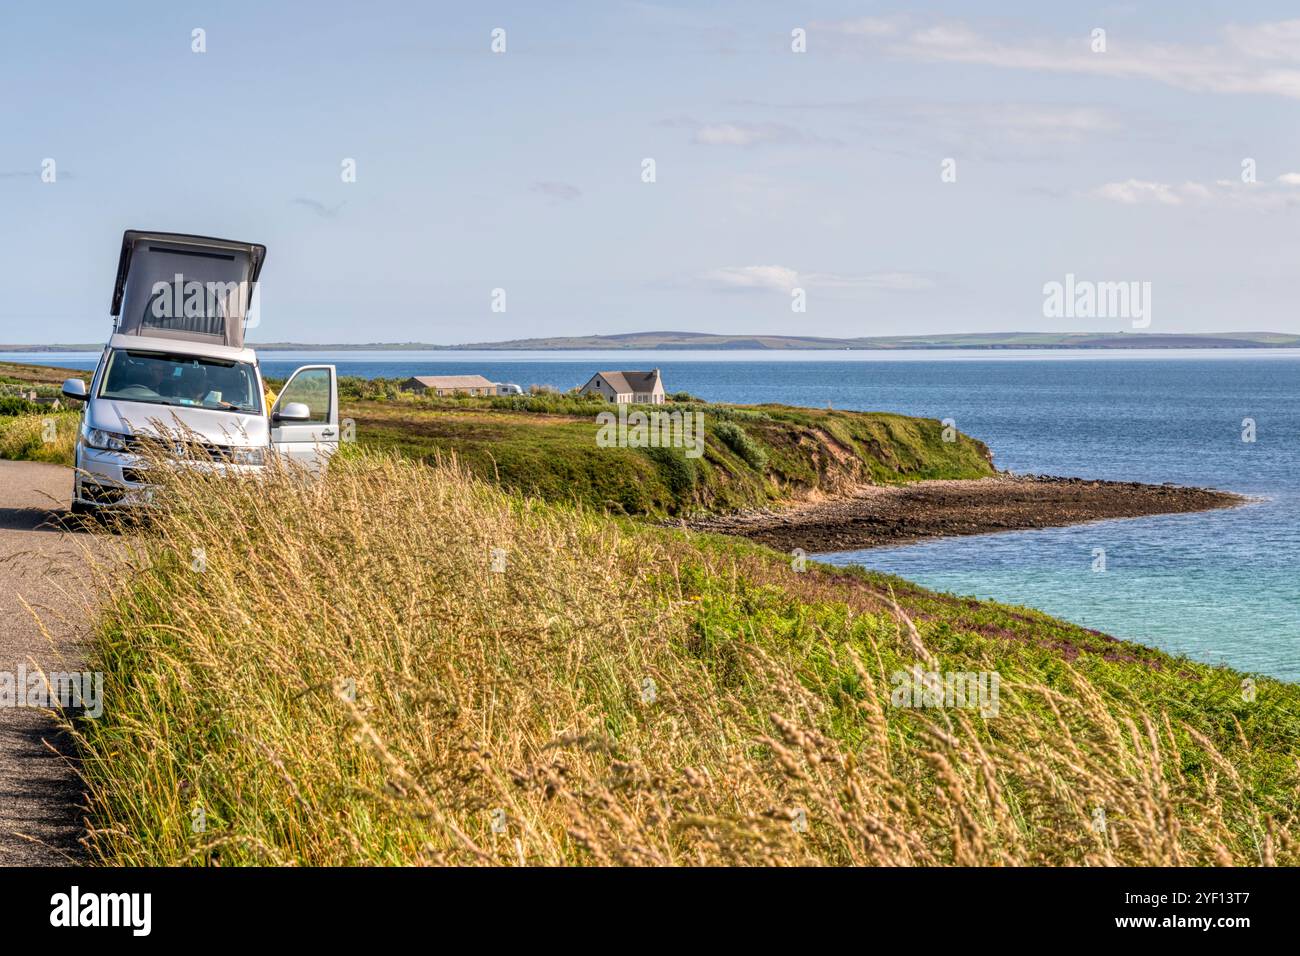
(44, 436)
(348, 681)
(753, 455)
(29, 432)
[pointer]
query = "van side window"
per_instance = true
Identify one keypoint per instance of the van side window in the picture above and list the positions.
(312, 388)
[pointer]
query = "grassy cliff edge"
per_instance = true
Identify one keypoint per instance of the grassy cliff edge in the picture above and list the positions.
(752, 455)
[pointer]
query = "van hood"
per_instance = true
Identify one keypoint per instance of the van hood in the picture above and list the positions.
(194, 288)
(205, 424)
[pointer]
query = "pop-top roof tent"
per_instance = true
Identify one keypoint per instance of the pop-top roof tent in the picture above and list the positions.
(174, 286)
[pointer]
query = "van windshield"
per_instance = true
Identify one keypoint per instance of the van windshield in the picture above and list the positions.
(160, 379)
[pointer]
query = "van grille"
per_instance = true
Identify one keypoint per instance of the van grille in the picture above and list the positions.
(178, 449)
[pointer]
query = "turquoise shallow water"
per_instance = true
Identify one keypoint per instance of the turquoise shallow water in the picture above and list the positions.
(1222, 587)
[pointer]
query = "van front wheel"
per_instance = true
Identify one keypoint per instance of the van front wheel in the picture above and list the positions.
(80, 507)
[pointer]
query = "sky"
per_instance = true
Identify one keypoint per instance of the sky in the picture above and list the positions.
(917, 168)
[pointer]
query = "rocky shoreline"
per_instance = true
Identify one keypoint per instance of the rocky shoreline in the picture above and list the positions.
(876, 516)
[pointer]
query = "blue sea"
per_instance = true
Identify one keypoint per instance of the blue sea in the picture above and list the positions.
(1220, 587)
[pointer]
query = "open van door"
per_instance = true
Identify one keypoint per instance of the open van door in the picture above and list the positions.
(305, 417)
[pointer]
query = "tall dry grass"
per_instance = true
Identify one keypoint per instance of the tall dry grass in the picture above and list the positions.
(334, 673)
(49, 436)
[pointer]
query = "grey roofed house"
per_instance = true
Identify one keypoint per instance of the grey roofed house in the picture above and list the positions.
(450, 385)
(645, 388)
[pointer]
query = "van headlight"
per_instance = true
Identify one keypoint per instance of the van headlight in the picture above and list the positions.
(248, 456)
(104, 440)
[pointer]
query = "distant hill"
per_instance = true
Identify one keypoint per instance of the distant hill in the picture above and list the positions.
(709, 340)
(969, 340)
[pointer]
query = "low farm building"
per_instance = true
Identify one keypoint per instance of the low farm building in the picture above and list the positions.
(446, 385)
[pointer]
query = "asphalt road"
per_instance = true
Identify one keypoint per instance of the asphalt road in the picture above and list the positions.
(44, 619)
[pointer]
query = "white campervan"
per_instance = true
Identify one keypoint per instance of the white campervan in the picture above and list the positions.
(176, 365)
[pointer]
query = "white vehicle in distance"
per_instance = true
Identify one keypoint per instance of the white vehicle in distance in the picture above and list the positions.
(508, 388)
(176, 365)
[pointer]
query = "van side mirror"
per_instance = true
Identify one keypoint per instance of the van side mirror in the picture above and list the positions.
(75, 389)
(293, 412)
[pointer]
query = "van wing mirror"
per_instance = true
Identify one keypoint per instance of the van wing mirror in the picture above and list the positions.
(75, 389)
(293, 412)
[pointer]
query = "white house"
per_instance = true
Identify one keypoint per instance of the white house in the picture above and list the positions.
(641, 388)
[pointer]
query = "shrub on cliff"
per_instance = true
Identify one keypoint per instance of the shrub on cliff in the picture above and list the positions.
(737, 439)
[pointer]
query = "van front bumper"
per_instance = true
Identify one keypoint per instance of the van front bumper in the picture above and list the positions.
(121, 479)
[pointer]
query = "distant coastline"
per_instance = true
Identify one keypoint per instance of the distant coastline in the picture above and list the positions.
(696, 341)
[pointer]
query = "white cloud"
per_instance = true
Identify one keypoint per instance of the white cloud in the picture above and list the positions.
(732, 134)
(754, 277)
(743, 134)
(1133, 191)
(881, 281)
(1250, 59)
(1227, 192)
(872, 26)
(972, 129)
(785, 279)
(748, 134)
(1267, 41)
(1069, 123)
(1022, 124)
